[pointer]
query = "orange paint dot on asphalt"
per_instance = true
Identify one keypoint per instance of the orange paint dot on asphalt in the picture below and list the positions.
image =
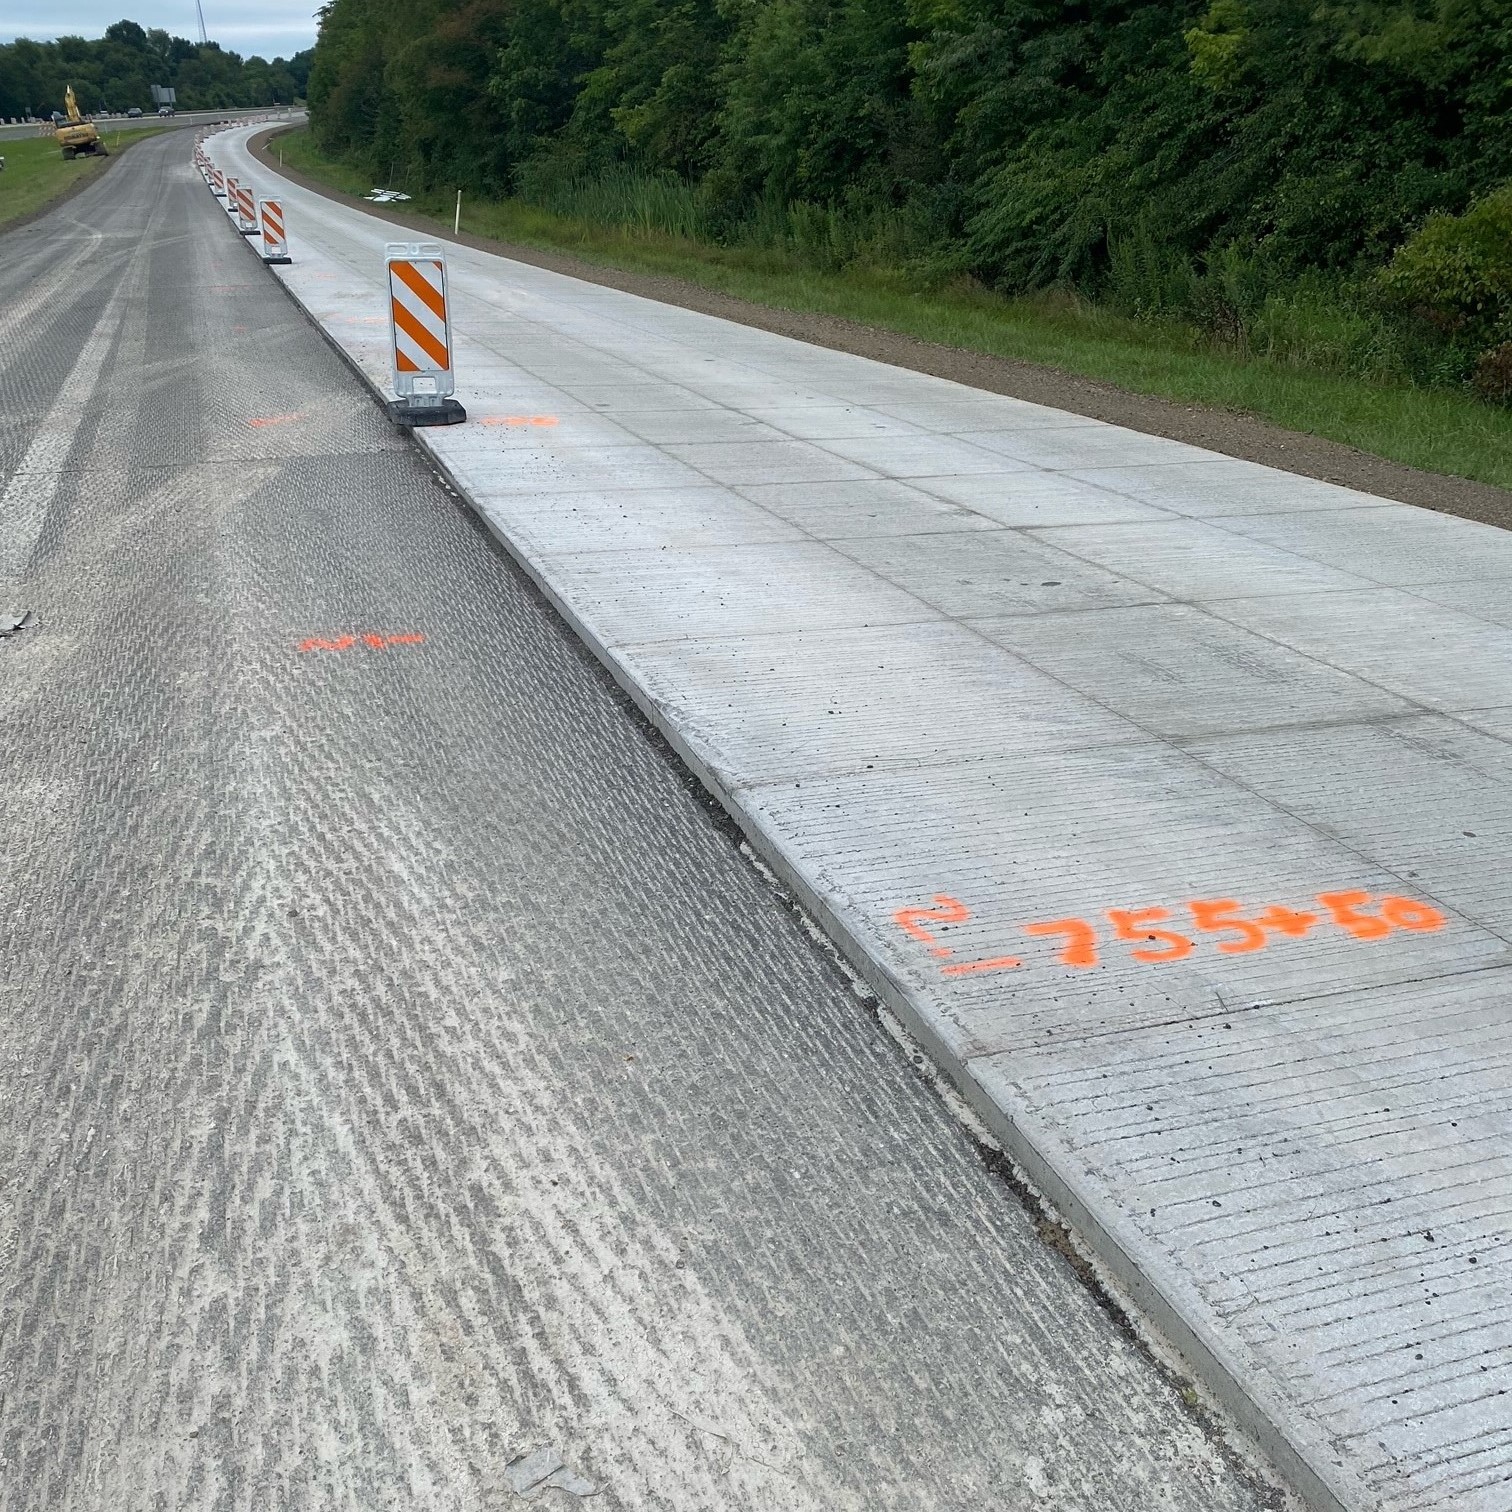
(262, 421)
(369, 638)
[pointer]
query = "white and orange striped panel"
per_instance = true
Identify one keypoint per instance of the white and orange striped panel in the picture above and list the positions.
(418, 319)
(275, 243)
(218, 182)
(246, 208)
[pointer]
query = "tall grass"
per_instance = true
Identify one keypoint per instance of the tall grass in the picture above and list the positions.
(642, 204)
(829, 238)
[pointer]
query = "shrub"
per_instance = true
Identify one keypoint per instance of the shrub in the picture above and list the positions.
(1457, 272)
(1492, 378)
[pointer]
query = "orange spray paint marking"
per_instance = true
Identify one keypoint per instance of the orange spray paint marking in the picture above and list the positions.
(1135, 924)
(1343, 909)
(1224, 917)
(541, 421)
(263, 421)
(369, 638)
(1408, 913)
(1217, 915)
(1080, 937)
(912, 920)
(1286, 921)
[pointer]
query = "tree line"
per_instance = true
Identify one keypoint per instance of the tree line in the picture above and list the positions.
(117, 71)
(1257, 166)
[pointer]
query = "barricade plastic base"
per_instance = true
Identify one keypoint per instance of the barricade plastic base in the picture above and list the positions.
(248, 230)
(275, 261)
(407, 412)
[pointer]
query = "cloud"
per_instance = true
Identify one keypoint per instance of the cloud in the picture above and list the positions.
(272, 28)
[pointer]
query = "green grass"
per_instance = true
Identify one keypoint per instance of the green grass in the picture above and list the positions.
(1436, 430)
(36, 170)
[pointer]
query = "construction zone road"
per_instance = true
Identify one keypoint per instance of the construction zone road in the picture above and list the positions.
(415, 1095)
(1164, 797)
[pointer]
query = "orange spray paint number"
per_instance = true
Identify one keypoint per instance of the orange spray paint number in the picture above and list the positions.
(1232, 929)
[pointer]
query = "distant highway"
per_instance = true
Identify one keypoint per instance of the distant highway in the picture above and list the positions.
(122, 123)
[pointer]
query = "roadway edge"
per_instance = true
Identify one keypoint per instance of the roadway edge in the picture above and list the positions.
(1140, 1280)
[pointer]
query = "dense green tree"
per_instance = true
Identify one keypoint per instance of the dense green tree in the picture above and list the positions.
(117, 71)
(1196, 157)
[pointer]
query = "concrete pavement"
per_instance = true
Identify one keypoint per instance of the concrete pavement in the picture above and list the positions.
(413, 1094)
(1165, 796)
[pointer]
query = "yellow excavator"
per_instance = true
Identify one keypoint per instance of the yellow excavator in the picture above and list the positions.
(75, 134)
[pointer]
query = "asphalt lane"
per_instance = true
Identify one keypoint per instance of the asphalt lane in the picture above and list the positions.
(406, 1071)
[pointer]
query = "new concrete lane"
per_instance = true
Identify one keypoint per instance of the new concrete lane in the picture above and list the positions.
(1168, 797)
(412, 1091)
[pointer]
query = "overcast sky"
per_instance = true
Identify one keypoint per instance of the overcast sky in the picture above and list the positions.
(269, 28)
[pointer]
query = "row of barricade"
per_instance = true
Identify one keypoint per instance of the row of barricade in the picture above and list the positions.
(419, 311)
(253, 217)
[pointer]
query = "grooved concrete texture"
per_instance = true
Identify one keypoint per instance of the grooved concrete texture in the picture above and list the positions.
(1200, 770)
(408, 1086)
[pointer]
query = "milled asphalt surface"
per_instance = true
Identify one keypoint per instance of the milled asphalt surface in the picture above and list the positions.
(406, 1071)
(1164, 795)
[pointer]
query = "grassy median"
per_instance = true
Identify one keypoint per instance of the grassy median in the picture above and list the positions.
(1436, 430)
(36, 172)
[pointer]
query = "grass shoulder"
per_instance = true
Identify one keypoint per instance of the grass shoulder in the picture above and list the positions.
(36, 172)
(1435, 431)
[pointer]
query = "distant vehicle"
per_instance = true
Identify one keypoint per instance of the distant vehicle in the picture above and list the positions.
(163, 110)
(75, 134)
(135, 113)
